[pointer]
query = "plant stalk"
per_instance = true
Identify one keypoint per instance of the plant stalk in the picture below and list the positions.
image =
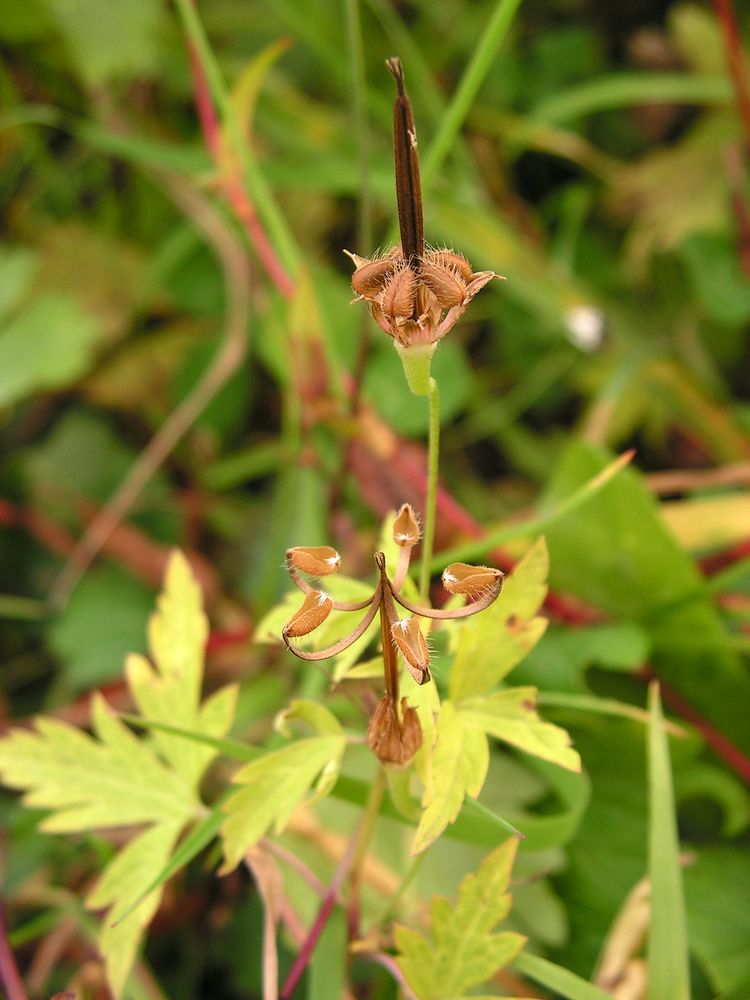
(433, 461)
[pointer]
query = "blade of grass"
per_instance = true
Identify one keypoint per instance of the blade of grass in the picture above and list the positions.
(554, 977)
(621, 90)
(668, 960)
(601, 706)
(451, 122)
(258, 189)
(535, 525)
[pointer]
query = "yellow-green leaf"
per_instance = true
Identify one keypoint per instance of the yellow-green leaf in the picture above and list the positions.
(462, 950)
(170, 690)
(124, 879)
(91, 784)
(274, 785)
(459, 767)
(490, 644)
(511, 716)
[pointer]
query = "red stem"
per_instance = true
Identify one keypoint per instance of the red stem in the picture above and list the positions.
(735, 55)
(10, 977)
(718, 742)
(231, 183)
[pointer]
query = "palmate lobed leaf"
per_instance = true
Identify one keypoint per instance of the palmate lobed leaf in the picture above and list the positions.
(511, 716)
(488, 647)
(490, 644)
(117, 779)
(90, 784)
(462, 951)
(124, 880)
(459, 766)
(170, 690)
(274, 785)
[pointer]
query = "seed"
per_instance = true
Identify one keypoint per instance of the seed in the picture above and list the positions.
(399, 294)
(371, 276)
(460, 578)
(317, 560)
(446, 284)
(453, 261)
(406, 527)
(316, 607)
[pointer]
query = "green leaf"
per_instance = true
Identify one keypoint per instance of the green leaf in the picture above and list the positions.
(556, 978)
(63, 338)
(92, 784)
(118, 780)
(635, 570)
(274, 785)
(462, 951)
(511, 716)
(489, 645)
(459, 766)
(317, 717)
(718, 915)
(104, 620)
(668, 960)
(125, 878)
(169, 691)
(123, 43)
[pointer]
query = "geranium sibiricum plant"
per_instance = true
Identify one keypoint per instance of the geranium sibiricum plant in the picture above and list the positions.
(416, 294)
(394, 733)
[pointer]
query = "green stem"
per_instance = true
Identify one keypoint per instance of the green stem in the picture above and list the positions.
(369, 819)
(259, 192)
(433, 460)
(452, 120)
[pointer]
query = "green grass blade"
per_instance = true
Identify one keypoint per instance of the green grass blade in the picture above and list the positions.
(230, 748)
(535, 525)
(668, 960)
(554, 977)
(258, 189)
(621, 90)
(496, 30)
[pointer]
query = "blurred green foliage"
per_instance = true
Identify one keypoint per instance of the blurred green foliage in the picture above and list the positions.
(599, 164)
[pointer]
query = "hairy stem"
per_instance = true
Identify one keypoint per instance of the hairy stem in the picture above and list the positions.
(433, 460)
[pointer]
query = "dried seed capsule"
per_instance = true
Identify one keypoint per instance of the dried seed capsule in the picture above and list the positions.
(412, 645)
(460, 578)
(452, 261)
(446, 284)
(399, 294)
(392, 741)
(316, 607)
(316, 560)
(406, 527)
(371, 275)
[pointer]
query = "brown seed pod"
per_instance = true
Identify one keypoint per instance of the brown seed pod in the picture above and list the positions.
(446, 284)
(316, 607)
(399, 294)
(406, 527)
(452, 261)
(460, 578)
(392, 741)
(371, 275)
(412, 645)
(316, 560)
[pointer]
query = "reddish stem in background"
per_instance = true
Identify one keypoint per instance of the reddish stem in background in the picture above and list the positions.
(734, 52)
(724, 748)
(9, 974)
(231, 184)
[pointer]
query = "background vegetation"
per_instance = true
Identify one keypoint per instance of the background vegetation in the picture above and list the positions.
(180, 366)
